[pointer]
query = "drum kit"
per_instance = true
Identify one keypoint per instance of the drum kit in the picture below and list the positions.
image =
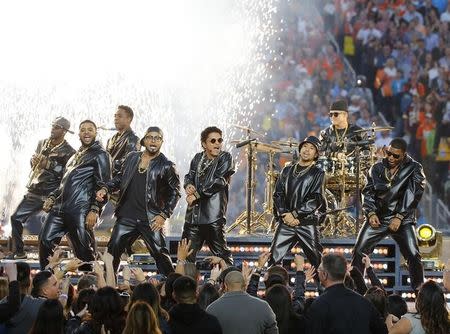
(344, 178)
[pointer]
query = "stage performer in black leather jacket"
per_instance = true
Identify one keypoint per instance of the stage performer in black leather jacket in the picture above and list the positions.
(74, 208)
(206, 185)
(47, 165)
(394, 188)
(124, 141)
(149, 191)
(299, 198)
(332, 138)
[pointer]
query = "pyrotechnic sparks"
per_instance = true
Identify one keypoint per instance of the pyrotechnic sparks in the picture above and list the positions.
(182, 65)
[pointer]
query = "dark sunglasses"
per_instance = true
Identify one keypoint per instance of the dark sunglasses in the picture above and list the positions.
(213, 141)
(334, 114)
(389, 153)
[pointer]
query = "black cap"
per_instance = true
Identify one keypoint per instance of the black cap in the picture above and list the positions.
(312, 140)
(339, 105)
(151, 129)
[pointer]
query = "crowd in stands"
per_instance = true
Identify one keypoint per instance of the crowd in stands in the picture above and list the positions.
(226, 299)
(400, 53)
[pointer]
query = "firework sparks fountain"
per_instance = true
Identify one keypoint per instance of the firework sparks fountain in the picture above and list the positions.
(182, 65)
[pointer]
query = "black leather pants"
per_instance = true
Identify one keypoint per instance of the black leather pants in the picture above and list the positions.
(406, 239)
(29, 205)
(127, 230)
(286, 237)
(214, 236)
(57, 224)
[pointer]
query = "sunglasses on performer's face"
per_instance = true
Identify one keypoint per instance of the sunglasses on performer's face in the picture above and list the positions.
(389, 153)
(334, 114)
(213, 141)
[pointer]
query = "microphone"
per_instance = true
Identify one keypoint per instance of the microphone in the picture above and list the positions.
(245, 142)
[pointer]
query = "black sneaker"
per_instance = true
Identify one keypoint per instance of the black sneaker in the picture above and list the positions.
(17, 256)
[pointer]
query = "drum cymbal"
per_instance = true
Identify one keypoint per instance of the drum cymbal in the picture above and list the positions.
(264, 147)
(260, 146)
(375, 128)
(291, 142)
(248, 129)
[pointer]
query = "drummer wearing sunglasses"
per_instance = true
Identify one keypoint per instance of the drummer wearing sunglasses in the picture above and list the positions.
(332, 138)
(206, 186)
(394, 188)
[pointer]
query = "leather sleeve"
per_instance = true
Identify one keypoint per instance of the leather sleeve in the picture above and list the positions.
(221, 178)
(173, 182)
(131, 145)
(189, 178)
(413, 192)
(113, 184)
(102, 174)
(279, 197)
(369, 200)
(324, 141)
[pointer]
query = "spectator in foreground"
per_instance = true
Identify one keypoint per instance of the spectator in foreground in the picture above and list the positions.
(258, 316)
(50, 318)
(432, 316)
(187, 316)
(338, 309)
(141, 320)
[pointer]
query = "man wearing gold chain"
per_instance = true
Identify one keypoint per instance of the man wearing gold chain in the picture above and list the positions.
(394, 188)
(206, 186)
(299, 200)
(333, 138)
(149, 190)
(47, 165)
(73, 209)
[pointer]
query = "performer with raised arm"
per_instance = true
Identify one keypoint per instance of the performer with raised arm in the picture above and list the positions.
(47, 165)
(73, 208)
(299, 200)
(149, 188)
(206, 186)
(394, 188)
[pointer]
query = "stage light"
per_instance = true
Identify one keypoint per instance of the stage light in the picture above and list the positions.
(430, 246)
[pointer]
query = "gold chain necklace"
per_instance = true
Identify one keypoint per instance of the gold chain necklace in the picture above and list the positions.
(390, 178)
(339, 138)
(301, 172)
(208, 163)
(140, 169)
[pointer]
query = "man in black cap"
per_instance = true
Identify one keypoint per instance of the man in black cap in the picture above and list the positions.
(149, 189)
(74, 209)
(332, 139)
(47, 166)
(299, 200)
(206, 186)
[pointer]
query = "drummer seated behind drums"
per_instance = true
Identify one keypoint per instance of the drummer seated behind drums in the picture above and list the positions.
(332, 138)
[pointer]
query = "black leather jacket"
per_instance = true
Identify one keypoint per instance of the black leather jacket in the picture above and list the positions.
(47, 179)
(83, 176)
(212, 190)
(118, 146)
(163, 184)
(396, 198)
(328, 139)
(302, 195)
